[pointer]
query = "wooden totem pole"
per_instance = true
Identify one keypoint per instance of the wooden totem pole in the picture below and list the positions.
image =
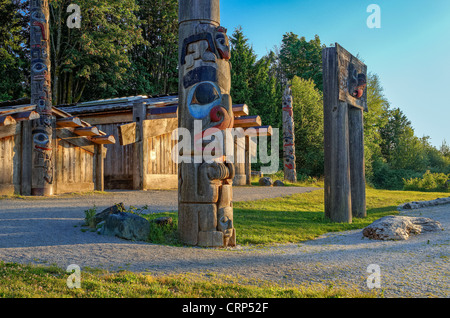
(41, 96)
(290, 173)
(345, 100)
(205, 187)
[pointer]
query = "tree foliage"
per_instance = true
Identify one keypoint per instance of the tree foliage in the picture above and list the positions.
(14, 54)
(308, 117)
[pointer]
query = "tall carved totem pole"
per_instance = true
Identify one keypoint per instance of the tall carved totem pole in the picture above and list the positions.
(290, 173)
(345, 101)
(41, 96)
(205, 187)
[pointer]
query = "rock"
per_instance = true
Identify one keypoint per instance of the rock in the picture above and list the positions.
(399, 227)
(101, 216)
(162, 221)
(265, 181)
(423, 204)
(127, 226)
(278, 183)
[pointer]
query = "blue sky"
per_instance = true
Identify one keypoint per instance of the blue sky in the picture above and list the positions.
(410, 52)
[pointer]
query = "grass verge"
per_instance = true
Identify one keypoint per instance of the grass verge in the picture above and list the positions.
(26, 281)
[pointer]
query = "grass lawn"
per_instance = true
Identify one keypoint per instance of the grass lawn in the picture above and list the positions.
(300, 217)
(294, 218)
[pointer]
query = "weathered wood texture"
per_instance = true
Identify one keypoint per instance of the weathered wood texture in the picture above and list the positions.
(10, 165)
(119, 162)
(74, 168)
(343, 142)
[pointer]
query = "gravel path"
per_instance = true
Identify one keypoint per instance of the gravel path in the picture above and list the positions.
(48, 231)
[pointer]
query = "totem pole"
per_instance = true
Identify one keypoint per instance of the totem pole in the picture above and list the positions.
(345, 100)
(41, 96)
(205, 187)
(290, 173)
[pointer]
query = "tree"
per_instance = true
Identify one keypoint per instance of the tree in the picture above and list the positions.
(374, 121)
(155, 61)
(302, 58)
(92, 62)
(243, 60)
(14, 52)
(308, 117)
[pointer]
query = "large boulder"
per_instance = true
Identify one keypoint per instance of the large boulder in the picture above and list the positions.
(101, 216)
(127, 226)
(400, 227)
(278, 183)
(265, 182)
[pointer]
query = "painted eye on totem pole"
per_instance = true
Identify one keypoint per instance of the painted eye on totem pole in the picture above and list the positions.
(202, 97)
(39, 67)
(223, 46)
(41, 139)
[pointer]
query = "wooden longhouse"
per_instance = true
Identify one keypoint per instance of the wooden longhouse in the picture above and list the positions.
(78, 151)
(143, 126)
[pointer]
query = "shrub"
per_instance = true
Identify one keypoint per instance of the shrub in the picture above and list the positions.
(428, 182)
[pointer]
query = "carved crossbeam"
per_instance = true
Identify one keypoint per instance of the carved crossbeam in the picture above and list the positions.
(103, 140)
(247, 121)
(7, 120)
(29, 115)
(259, 131)
(87, 131)
(73, 122)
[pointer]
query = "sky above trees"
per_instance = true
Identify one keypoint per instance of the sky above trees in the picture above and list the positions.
(408, 52)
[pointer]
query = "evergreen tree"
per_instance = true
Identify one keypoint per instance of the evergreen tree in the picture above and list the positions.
(302, 58)
(14, 52)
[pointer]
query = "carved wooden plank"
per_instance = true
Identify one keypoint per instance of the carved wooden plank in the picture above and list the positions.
(73, 122)
(247, 121)
(87, 131)
(29, 115)
(259, 131)
(19, 109)
(103, 140)
(240, 110)
(127, 134)
(7, 120)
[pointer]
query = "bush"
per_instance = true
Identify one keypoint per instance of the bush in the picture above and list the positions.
(436, 182)
(385, 177)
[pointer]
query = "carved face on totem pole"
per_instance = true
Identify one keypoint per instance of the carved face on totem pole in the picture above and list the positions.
(205, 189)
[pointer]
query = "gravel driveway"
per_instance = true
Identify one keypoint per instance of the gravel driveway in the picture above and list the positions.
(47, 231)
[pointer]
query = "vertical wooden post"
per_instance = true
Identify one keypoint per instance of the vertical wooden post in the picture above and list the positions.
(99, 167)
(139, 115)
(290, 173)
(344, 101)
(357, 162)
(205, 188)
(41, 96)
(248, 162)
(27, 146)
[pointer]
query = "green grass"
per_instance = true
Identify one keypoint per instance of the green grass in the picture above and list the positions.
(300, 217)
(26, 281)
